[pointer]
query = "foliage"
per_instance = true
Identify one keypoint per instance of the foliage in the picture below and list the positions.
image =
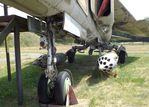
(26, 39)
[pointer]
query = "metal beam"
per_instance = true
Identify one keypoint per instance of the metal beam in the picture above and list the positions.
(8, 61)
(7, 49)
(7, 30)
(18, 64)
(5, 10)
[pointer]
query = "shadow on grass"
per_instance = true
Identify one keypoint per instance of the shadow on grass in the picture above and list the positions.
(85, 66)
(8, 90)
(96, 77)
(129, 60)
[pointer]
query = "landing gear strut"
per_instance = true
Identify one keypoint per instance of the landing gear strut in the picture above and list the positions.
(53, 87)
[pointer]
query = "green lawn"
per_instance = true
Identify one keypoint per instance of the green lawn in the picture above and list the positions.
(129, 89)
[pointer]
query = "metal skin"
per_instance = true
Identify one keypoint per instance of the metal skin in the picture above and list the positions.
(43, 41)
(72, 8)
(124, 21)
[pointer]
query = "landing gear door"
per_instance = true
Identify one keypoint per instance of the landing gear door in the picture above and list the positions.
(72, 26)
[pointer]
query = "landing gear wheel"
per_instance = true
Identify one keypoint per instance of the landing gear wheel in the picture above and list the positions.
(43, 93)
(122, 57)
(62, 84)
(71, 55)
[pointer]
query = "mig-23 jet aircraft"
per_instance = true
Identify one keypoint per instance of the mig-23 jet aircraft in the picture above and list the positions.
(90, 22)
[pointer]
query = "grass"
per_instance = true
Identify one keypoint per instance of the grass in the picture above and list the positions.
(129, 89)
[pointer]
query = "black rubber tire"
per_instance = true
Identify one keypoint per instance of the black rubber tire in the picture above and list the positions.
(71, 55)
(43, 90)
(122, 57)
(59, 95)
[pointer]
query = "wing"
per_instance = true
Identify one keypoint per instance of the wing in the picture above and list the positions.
(33, 7)
(125, 22)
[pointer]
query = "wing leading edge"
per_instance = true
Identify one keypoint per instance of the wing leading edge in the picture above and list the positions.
(125, 22)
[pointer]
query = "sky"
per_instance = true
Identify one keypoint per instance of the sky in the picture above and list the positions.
(138, 8)
(12, 11)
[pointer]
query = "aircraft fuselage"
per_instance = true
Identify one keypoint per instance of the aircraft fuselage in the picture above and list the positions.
(95, 27)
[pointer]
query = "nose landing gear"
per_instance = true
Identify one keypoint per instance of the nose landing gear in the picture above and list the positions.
(54, 87)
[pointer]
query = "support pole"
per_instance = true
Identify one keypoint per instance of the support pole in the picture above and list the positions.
(18, 64)
(7, 49)
(5, 10)
(8, 61)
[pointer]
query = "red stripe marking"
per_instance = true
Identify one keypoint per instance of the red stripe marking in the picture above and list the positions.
(103, 7)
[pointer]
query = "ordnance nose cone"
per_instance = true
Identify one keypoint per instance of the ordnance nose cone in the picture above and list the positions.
(107, 62)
